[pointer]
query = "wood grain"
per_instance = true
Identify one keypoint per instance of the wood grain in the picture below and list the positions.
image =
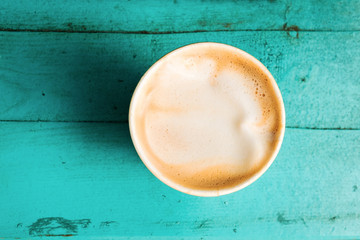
(68, 169)
(178, 15)
(86, 179)
(91, 77)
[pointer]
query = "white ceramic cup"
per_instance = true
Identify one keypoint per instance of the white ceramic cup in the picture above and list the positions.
(175, 185)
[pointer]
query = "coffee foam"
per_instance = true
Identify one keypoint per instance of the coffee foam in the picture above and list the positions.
(206, 117)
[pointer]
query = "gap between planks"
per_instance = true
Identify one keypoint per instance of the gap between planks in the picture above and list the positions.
(288, 29)
(126, 122)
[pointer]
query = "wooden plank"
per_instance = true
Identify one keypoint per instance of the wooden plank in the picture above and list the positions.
(85, 179)
(178, 15)
(90, 77)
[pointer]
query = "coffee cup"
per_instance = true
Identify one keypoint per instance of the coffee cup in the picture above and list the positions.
(207, 119)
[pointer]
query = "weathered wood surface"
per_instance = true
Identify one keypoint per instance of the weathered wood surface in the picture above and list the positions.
(85, 179)
(64, 63)
(90, 77)
(178, 15)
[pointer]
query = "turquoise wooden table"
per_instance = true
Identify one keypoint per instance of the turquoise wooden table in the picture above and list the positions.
(67, 164)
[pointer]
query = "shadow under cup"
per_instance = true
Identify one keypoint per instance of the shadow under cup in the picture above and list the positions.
(207, 119)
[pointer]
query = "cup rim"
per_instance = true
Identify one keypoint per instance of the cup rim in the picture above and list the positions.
(179, 187)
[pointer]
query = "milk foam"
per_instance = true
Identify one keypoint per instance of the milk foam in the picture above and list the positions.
(206, 117)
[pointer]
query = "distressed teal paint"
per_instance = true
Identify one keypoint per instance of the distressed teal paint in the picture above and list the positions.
(178, 15)
(67, 62)
(90, 77)
(86, 179)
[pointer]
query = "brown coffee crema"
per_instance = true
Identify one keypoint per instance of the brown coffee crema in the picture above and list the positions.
(207, 117)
